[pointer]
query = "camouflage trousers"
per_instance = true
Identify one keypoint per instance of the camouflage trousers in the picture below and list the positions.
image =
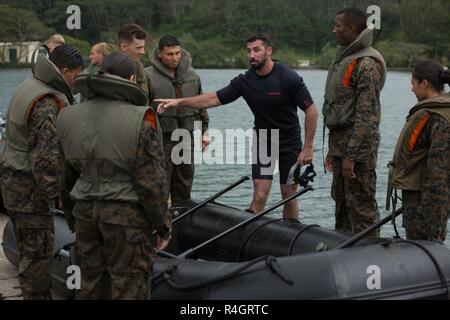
(35, 240)
(429, 224)
(356, 206)
(180, 177)
(115, 261)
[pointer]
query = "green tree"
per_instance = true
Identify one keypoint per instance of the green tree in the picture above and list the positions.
(19, 25)
(218, 28)
(427, 22)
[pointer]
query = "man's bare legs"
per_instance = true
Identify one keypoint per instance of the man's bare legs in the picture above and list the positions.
(261, 190)
(290, 210)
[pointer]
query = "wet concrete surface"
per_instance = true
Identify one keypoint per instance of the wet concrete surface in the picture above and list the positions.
(9, 283)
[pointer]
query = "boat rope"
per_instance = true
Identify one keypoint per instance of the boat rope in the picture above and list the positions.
(300, 232)
(247, 239)
(163, 276)
(395, 197)
(441, 274)
(275, 267)
(399, 239)
(397, 235)
(270, 262)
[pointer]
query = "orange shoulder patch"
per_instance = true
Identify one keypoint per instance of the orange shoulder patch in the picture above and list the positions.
(150, 117)
(417, 130)
(59, 103)
(348, 73)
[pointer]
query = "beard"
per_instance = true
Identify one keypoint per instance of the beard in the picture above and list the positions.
(257, 65)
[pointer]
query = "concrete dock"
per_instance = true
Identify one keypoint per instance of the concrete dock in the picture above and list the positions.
(9, 284)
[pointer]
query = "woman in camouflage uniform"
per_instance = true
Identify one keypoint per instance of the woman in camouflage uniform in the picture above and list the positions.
(421, 166)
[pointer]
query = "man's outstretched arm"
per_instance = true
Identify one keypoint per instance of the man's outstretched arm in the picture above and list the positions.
(203, 101)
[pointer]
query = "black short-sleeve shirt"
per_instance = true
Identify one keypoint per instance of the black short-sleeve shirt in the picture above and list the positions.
(273, 98)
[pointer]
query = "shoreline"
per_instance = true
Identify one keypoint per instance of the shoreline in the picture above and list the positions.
(12, 68)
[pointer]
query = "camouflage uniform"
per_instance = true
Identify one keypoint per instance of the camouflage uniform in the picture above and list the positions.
(114, 247)
(181, 177)
(426, 213)
(26, 197)
(356, 206)
(185, 82)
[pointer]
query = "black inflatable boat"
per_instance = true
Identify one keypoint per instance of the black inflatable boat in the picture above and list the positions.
(272, 260)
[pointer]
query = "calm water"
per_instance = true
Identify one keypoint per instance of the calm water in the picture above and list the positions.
(316, 207)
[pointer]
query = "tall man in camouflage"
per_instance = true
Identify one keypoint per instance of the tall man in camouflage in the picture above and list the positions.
(421, 165)
(30, 172)
(171, 76)
(132, 39)
(115, 175)
(352, 113)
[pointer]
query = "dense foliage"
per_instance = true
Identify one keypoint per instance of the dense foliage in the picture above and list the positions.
(214, 30)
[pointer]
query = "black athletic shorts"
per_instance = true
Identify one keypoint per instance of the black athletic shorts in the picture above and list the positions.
(263, 163)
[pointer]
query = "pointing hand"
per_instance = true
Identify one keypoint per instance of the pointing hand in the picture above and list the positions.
(164, 104)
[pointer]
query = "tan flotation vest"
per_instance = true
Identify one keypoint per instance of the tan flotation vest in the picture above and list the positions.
(408, 167)
(165, 84)
(34, 56)
(100, 137)
(47, 80)
(340, 96)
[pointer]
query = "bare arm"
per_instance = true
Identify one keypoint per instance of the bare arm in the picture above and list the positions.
(311, 117)
(204, 117)
(203, 101)
(310, 125)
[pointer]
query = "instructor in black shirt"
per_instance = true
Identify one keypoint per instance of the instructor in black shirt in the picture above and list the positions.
(273, 92)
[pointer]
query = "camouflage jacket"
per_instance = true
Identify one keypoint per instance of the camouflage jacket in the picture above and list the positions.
(36, 192)
(435, 193)
(361, 141)
(149, 180)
